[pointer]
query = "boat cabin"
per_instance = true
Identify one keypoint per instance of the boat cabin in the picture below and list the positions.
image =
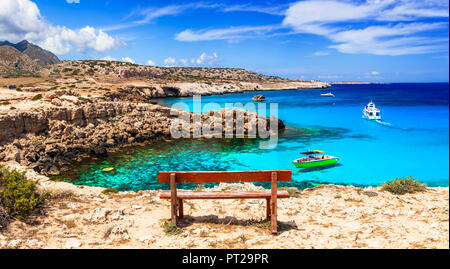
(371, 112)
(259, 97)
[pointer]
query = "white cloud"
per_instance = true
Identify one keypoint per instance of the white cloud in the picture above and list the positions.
(170, 62)
(230, 33)
(395, 40)
(109, 58)
(321, 53)
(128, 60)
(58, 39)
(326, 18)
(150, 62)
(203, 60)
(409, 10)
(184, 62)
(272, 10)
(343, 22)
(308, 15)
(73, 1)
(148, 15)
(208, 60)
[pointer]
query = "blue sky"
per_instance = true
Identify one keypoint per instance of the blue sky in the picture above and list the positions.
(374, 40)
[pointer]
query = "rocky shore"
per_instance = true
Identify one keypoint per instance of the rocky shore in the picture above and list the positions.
(64, 127)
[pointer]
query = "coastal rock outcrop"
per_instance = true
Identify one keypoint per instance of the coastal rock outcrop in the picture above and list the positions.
(147, 93)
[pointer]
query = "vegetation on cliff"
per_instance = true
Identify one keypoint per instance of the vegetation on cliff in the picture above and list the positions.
(403, 185)
(168, 74)
(18, 195)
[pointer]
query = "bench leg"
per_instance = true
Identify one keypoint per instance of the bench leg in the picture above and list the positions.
(173, 199)
(273, 204)
(173, 212)
(180, 208)
(273, 216)
(267, 208)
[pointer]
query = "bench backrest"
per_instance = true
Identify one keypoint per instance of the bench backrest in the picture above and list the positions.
(223, 176)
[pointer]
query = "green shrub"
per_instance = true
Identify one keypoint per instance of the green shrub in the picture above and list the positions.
(18, 195)
(37, 97)
(403, 185)
(293, 192)
(5, 103)
(171, 229)
(85, 100)
(318, 186)
(110, 190)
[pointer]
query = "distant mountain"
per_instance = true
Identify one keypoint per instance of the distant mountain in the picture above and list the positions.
(43, 57)
(15, 63)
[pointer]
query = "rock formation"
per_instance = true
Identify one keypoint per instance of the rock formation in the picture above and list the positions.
(48, 139)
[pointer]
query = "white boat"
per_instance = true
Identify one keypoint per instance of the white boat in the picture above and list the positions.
(370, 112)
(327, 94)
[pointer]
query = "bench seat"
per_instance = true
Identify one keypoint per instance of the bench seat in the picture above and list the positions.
(188, 194)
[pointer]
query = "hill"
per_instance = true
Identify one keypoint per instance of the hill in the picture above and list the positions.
(43, 57)
(124, 70)
(16, 63)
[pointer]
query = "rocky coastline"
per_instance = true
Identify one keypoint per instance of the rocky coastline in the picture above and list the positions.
(146, 92)
(59, 131)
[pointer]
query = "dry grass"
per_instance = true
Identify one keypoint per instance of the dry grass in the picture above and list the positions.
(403, 186)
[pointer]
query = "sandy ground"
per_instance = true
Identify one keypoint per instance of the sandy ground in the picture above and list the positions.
(327, 217)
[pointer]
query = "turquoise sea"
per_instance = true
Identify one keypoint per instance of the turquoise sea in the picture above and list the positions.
(413, 141)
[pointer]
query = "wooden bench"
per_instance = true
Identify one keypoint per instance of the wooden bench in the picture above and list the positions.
(177, 196)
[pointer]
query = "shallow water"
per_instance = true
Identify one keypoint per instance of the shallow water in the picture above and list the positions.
(411, 140)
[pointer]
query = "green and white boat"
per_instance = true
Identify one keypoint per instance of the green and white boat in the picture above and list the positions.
(314, 160)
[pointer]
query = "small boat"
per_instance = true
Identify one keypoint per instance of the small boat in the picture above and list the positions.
(259, 98)
(314, 161)
(370, 112)
(327, 94)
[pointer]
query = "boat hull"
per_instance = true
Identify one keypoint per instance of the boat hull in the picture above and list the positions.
(327, 95)
(316, 163)
(367, 117)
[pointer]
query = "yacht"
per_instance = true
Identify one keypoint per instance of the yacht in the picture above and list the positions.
(370, 112)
